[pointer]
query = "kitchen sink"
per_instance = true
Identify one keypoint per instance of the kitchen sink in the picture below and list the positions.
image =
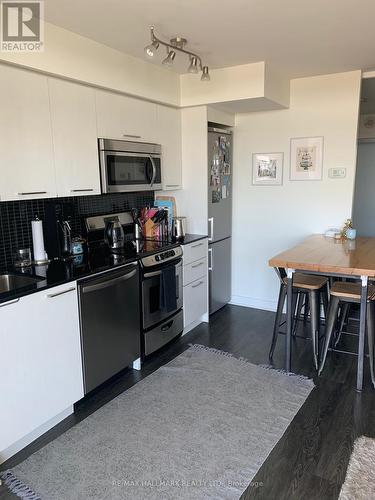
(10, 282)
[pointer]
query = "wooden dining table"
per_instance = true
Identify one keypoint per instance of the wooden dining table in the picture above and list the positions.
(343, 258)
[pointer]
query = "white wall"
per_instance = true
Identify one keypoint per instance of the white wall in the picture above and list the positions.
(237, 88)
(269, 219)
(221, 117)
(69, 55)
(72, 56)
(226, 84)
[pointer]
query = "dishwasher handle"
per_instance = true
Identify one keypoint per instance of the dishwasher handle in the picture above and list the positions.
(109, 283)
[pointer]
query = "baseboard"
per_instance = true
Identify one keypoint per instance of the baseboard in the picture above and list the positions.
(265, 305)
(190, 327)
(33, 435)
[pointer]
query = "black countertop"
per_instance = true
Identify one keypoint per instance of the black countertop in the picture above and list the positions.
(98, 259)
(190, 238)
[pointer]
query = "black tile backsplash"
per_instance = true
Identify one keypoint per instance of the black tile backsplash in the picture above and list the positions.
(16, 217)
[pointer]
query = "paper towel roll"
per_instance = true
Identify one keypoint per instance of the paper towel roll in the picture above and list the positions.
(38, 240)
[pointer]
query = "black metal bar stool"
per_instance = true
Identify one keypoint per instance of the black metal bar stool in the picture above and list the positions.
(314, 288)
(343, 293)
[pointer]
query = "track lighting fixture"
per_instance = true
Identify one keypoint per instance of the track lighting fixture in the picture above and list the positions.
(177, 45)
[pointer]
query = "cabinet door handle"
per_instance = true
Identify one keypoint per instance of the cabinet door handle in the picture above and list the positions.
(132, 136)
(198, 284)
(81, 190)
(197, 265)
(197, 245)
(211, 223)
(32, 192)
(9, 302)
(211, 260)
(53, 295)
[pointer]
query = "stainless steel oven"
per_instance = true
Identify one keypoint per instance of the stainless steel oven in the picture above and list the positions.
(129, 166)
(160, 324)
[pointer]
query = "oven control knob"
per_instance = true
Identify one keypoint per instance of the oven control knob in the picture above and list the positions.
(162, 256)
(157, 258)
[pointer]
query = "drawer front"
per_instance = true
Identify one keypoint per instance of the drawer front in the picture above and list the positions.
(162, 334)
(195, 251)
(195, 270)
(195, 300)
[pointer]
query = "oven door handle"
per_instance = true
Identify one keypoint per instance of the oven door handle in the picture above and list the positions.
(153, 171)
(158, 273)
(151, 275)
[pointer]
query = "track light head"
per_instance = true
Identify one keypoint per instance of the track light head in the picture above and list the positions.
(205, 74)
(168, 61)
(151, 49)
(193, 68)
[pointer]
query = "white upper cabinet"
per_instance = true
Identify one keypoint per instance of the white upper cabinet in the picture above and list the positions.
(26, 159)
(169, 136)
(74, 138)
(125, 118)
(49, 129)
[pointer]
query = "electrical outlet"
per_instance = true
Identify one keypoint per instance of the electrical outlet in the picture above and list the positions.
(337, 173)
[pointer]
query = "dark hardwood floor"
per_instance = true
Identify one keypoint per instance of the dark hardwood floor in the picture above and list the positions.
(310, 460)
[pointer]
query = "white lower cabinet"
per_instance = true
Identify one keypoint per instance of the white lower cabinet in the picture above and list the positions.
(41, 365)
(195, 281)
(195, 300)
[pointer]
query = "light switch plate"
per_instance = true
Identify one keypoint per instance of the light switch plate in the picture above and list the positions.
(337, 173)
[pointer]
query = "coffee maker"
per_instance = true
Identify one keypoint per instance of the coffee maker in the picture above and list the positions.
(58, 218)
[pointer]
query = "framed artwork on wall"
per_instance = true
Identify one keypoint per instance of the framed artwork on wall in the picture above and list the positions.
(267, 169)
(306, 158)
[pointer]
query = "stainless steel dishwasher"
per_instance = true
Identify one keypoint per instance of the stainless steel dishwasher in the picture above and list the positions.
(110, 323)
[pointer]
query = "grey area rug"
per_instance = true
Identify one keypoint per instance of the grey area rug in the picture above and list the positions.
(360, 477)
(197, 428)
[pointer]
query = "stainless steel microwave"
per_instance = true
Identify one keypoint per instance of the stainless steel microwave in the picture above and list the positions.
(129, 166)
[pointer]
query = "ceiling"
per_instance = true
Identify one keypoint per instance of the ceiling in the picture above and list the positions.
(301, 37)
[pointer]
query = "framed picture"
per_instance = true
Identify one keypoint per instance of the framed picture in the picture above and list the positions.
(306, 158)
(268, 169)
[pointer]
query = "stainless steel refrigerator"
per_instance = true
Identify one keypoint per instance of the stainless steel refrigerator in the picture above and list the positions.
(219, 217)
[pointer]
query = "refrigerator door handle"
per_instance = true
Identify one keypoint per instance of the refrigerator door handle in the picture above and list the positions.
(211, 228)
(210, 260)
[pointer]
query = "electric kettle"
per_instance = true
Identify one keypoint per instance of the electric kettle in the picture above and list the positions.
(114, 234)
(178, 228)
